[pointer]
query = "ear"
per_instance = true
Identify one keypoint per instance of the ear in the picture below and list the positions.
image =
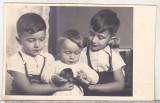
(18, 40)
(110, 40)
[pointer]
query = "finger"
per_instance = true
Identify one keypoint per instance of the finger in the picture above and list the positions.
(80, 71)
(84, 74)
(70, 84)
(62, 79)
(71, 87)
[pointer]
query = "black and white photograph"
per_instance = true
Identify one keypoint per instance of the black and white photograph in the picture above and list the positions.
(77, 52)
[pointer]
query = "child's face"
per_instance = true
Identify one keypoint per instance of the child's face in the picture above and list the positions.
(69, 52)
(98, 41)
(33, 44)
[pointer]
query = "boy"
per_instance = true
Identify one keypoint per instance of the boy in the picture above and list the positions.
(27, 65)
(101, 58)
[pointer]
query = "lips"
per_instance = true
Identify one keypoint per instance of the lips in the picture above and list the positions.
(37, 50)
(71, 62)
(94, 45)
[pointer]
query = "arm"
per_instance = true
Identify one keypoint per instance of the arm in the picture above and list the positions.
(88, 75)
(32, 88)
(117, 85)
(92, 76)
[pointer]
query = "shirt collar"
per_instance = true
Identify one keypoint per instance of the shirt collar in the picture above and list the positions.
(107, 49)
(42, 53)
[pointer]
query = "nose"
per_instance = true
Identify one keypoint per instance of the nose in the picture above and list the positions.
(37, 44)
(72, 56)
(94, 39)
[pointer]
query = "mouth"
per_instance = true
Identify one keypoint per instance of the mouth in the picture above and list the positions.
(71, 62)
(94, 45)
(37, 50)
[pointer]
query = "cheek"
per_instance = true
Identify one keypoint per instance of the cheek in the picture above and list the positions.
(28, 45)
(42, 43)
(90, 38)
(103, 42)
(77, 57)
(63, 56)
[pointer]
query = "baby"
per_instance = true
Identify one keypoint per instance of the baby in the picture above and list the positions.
(79, 74)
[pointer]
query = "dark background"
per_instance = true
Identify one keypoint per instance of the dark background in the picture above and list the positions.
(62, 18)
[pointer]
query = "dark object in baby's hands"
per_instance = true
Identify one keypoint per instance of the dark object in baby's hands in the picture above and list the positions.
(67, 73)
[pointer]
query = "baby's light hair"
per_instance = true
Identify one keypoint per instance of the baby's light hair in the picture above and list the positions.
(72, 35)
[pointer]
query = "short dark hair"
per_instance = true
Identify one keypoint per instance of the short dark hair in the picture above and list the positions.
(105, 20)
(30, 23)
(72, 35)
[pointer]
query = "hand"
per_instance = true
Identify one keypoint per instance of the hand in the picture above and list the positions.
(81, 75)
(66, 86)
(57, 80)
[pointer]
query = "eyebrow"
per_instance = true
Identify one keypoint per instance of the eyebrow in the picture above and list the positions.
(30, 38)
(101, 36)
(34, 38)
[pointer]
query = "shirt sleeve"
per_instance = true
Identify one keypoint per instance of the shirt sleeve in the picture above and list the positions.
(90, 73)
(15, 63)
(83, 56)
(117, 61)
(48, 72)
(50, 57)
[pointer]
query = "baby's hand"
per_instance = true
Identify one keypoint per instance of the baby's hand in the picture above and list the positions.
(81, 75)
(66, 86)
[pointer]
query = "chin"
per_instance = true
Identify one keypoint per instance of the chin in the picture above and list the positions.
(94, 49)
(35, 54)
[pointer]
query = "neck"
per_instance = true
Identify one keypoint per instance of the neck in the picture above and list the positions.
(27, 53)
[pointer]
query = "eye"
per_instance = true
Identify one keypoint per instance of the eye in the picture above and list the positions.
(92, 34)
(42, 39)
(30, 40)
(101, 37)
(67, 52)
(77, 53)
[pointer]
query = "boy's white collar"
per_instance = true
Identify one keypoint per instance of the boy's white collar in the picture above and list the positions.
(107, 49)
(42, 53)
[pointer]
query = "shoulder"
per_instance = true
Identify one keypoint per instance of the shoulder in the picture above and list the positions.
(83, 54)
(16, 58)
(48, 56)
(15, 63)
(58, 64)
(84, 50)
(116, 55)
(117, 61)
(82, 64)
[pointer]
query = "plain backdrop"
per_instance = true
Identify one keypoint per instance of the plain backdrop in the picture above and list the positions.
(65, 18)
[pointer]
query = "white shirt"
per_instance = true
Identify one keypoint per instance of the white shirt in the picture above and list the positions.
(58, 66)
(34, 64)
(100, 59)
(77, 67)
